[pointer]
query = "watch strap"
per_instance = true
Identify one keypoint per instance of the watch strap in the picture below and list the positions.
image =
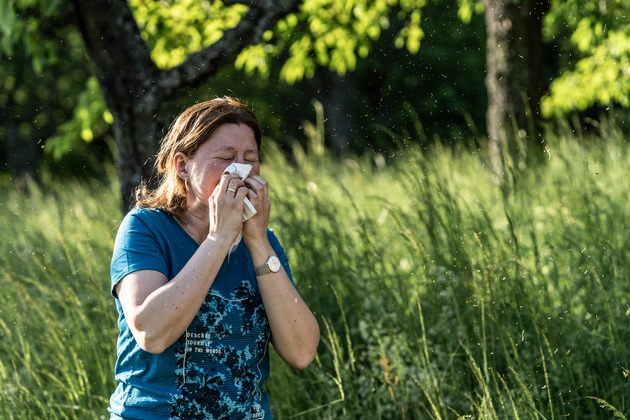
(262, 269)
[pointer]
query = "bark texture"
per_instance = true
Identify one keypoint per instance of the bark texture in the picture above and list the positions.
(514, 78)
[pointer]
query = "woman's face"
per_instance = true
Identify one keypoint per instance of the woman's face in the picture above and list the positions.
(228, 144)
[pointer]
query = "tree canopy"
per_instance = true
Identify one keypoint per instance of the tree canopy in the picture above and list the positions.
(318, 33)
(594, 42)
(589, 43)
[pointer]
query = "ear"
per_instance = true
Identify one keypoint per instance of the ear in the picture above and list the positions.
(180, 162)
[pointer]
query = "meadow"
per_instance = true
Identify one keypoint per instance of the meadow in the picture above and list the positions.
(441, 292)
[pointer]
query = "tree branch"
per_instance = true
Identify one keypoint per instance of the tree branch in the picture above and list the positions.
(262, 15)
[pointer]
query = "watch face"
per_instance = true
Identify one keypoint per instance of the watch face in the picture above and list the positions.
(274, 264)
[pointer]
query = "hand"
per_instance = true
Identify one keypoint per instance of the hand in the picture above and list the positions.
(226, 207)
(255, 229)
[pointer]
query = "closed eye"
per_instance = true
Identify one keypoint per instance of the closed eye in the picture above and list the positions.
(251, 157)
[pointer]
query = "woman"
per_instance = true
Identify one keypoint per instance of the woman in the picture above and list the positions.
(197, 311)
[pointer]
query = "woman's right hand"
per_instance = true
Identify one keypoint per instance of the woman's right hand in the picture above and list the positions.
(225, 207)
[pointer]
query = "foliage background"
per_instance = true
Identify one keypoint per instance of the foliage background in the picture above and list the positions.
(412, 74)
(440, 293)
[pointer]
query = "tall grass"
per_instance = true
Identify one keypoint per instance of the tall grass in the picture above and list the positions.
(440, 293)
(57, 327)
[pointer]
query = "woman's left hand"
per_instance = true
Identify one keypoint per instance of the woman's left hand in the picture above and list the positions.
(255, 228)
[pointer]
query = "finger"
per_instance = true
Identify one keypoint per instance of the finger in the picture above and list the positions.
(231, 185)
(230, 176)
(241, 192)
(253, 196)
(224, 181)
(256, 178)
(256, 183)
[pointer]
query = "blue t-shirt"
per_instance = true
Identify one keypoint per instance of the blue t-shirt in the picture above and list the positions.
(217, 368)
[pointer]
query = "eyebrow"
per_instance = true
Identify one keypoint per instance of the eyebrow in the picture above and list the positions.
(234, 149)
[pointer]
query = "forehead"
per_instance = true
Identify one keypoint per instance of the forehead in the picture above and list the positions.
(231, 136)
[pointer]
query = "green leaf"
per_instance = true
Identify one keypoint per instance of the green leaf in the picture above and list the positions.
(8, 17)
(601, 78)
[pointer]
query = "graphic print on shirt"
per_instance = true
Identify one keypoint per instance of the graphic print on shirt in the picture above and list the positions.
(217, 361)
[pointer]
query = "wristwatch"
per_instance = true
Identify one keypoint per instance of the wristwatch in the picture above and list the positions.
(272, 265)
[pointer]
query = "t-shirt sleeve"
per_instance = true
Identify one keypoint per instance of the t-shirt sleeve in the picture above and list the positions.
(136, 248)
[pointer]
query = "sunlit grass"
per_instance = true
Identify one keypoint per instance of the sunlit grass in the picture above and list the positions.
(57, 327)
(440, 294)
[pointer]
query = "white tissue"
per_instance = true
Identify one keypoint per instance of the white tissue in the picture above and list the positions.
(243, 170)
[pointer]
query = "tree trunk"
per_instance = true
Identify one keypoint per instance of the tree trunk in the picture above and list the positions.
(137, 93)
(126, 74)
(337, 99)
(514, 79)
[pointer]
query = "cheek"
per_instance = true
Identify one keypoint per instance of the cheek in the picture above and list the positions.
(213, 175)
(256, 168)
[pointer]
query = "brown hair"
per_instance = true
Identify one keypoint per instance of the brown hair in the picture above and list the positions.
(187, 133)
